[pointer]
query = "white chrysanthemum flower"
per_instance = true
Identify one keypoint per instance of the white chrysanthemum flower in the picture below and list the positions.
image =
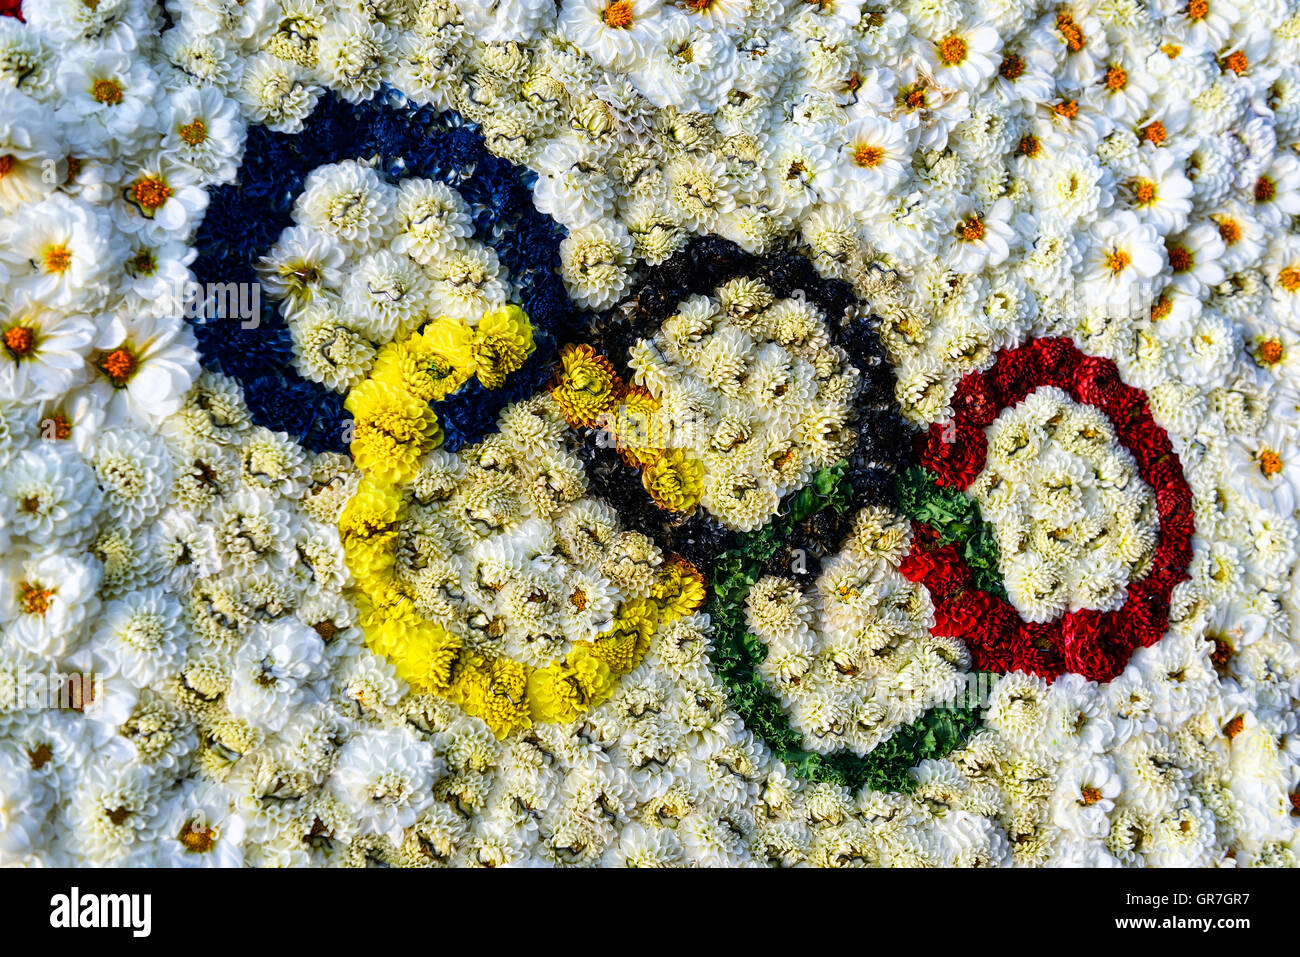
(432, 220)
(595, 263)
(141, 637)
(348, 202)
(277, 669)
(46, 600)
(386, 296)
(145, 366)
(277, 93)
(385, 778)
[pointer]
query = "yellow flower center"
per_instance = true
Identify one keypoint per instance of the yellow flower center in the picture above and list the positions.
(1153, 133)
(618, 15)
(1229, 231)
(19, 340)
(108, 92)
(1116, 78)
(194, 133)
(149, 193)
(119, 365)
(57, 258)
(1117, 260)
(35, 600)
(868, 157)
(1236, 62)
(971, 230)
(1144, 191)
(1289, 278)
(1070, 32)
(1198, 9)
(196, 839)
(1270, 463)
(1270, 352)
(952, 51)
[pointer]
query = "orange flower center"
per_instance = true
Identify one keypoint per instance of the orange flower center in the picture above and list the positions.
(1229, 231)
(1116, 78)
(108, 92)
(1233, 727)
(1236, 62)
(1153, 133)
(1144, 191)
(914, 98)
(1264, 190)
(118, 365)
(1012, 68)
(1270, 463)
(35, 600)
(618, 15)
(198, 840)
(1090, 795)
(971, 230)
(868, 157)
(194, 133)
(1198, 9)
(1270, 351)
(1180, 258)
(1067, 108)
(1117, 260)
(62, 427)
(57, 258)
(1028, 146)
(1161, 308)
(952, 51)
(1289, 278)
(150, 192)
(19, 340)
(1171, 50)
(1074, 38)
(579, 599)
(6, 165)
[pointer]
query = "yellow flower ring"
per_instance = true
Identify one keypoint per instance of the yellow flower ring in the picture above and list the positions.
(395, 427)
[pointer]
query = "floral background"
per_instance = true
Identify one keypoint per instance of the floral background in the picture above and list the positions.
(628, 432)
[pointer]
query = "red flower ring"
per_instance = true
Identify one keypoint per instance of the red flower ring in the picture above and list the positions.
(1094, 644)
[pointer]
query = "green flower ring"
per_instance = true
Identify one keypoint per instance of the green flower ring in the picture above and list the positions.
(738, 654)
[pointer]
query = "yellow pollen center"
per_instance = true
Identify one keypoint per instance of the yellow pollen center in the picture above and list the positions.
(1090, 795)
(1070, 31)
(1198, 9)
(1270, 463)
(19, 340)
(1117, 260)
(1289, 278)
(108, 92)
(1116, 78)
(971, 230)
(1153, 133)
(57, 258)
(194, 133)
(1270, 351)
(868, 157)
(1229, 231)
(198, 840)
(35, 600)
(952, 51)
(1144, 191)
(618, 15)
(150, 192)
(118, 365)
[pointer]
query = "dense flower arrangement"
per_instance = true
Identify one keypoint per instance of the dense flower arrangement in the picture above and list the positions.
(649, 432)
